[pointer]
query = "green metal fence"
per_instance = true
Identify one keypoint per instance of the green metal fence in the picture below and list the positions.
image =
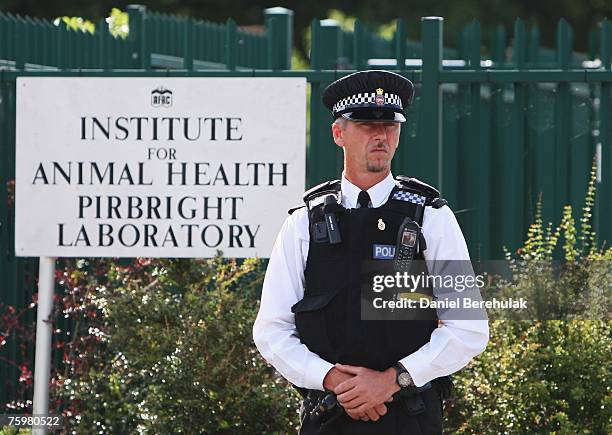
(493, 124)
(156, 41)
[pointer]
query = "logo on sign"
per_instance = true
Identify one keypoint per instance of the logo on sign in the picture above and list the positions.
(383, 252)
(161, 97)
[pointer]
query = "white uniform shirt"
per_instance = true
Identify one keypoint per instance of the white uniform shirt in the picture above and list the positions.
(451, 347)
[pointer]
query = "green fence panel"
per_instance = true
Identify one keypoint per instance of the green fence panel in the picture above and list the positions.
(603, 212)
(516, 153)
(562, 119)
(428, 150)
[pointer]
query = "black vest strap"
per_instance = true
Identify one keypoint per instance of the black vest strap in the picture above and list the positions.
(410, 209)
(315, 195)
(413, 206)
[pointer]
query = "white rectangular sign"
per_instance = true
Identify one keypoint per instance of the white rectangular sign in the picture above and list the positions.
(156, 167)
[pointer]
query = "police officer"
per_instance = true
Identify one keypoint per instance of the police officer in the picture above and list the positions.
(374, 377)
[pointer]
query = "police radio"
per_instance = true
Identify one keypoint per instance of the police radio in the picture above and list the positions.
(407, 244)
(333, 230)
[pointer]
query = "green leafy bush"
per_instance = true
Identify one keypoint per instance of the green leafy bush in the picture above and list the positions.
(546, 376)
(560, 271)
(176, 356)
(540, 377)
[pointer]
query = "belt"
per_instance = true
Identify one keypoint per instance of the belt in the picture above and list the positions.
(425, 387)
(315, 397)
(322, 409)
(411, 391)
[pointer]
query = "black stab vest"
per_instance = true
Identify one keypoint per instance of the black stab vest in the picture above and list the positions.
(328, 319)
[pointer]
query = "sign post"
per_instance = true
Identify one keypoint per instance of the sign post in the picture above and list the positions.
(44, 330)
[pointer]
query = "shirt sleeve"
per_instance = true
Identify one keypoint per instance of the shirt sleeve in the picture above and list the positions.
(274, 331)
(455, 342)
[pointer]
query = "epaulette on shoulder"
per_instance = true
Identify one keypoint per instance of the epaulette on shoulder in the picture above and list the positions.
(318, 191)
(297, 207)
(417, 186)
(438, 202)
(326, 187)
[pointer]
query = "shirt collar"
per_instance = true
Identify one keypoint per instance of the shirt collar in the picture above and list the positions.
(378, 193)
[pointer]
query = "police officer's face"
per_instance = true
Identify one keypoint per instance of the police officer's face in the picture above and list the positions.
(368, 146)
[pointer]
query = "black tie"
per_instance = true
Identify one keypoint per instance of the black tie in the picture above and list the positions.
(363, 199)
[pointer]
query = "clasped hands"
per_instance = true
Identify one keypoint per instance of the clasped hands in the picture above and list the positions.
(361, 391)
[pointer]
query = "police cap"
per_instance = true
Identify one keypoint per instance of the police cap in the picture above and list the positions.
(373, 95)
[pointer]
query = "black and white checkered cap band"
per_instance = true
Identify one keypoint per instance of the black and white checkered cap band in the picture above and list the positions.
(366, 99)
(409, 197)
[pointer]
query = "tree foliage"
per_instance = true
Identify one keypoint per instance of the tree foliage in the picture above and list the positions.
(582, 15)
(117, 21)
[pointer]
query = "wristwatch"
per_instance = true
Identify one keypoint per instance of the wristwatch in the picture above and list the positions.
(403, 378)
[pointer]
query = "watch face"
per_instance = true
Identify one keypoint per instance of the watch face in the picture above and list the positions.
(404, 379)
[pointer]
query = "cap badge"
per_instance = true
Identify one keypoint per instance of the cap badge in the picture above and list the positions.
(381, 225)
(380, 97)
